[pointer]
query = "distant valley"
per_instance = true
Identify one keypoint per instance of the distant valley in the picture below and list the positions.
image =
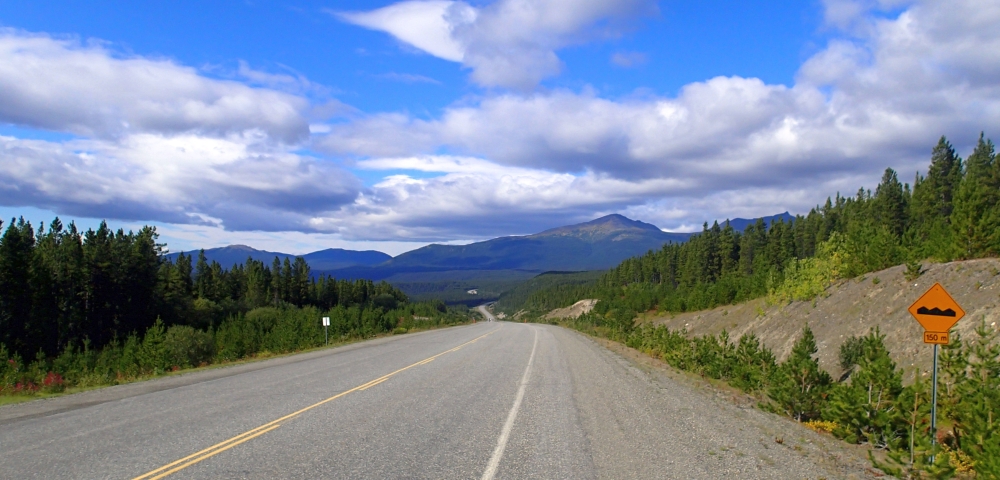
(490, 267)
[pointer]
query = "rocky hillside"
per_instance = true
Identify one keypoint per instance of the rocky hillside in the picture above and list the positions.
(852, 307)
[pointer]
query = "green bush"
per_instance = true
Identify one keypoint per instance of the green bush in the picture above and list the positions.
(800, 385)
(865, 408)
(188, 347)
(850, 351)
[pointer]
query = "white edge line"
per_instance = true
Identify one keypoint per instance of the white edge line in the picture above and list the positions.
(491, 468)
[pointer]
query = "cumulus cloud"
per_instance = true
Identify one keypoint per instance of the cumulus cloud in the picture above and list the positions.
(507, 43)
(427, 25)
(234, 182)
(159, 141)
(876, 96)
(65, 85)
(475, 198)
(879, 94)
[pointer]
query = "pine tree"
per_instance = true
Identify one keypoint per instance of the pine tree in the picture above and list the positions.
(973, 221)
(977, 413)
(890, 203)
(865, 408)
(800, 386)
(914, 459)
(16, 252)
(201, 273)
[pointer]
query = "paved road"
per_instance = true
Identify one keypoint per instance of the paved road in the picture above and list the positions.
(491, 400)
(486, 313)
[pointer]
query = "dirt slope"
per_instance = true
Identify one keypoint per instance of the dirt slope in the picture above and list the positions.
(572, 311)
(853, 306)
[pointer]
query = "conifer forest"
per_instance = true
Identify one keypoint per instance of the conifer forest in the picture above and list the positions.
(101, 307)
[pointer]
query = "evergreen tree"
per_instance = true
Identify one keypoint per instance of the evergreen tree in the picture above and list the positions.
(977, 412)
(865, 408)
(930, 233)
(801, 385)
(890, 203)
(201, 273)
(914, 460)
(16, 258)
(973, 219)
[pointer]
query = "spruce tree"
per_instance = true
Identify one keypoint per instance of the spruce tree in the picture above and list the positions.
(913, 459)
(201, 275)
(800, 385)
(890, 203)
(973, 219)
(865, 408)
(16, 255)
(976, 416)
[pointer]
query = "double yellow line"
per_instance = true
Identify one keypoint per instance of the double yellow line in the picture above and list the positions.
(220, 447)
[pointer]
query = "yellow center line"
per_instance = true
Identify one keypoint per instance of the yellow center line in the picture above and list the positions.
(214, 452)
(196, 457)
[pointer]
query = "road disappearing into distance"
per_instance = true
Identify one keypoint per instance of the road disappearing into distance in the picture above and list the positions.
(490, 400)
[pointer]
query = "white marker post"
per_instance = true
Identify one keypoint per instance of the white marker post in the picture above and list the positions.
(326, 329)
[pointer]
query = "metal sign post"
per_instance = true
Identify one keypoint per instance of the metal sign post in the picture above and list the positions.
(326, 329)
(937, 312)
(934, 405)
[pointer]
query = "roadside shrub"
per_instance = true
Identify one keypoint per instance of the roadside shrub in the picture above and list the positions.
(850, 351)
(865, 408)
(800, 386)
(152, 353)
(913, 270)
(188, 347)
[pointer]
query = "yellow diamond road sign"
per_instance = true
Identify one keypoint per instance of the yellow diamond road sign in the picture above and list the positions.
(937, 312)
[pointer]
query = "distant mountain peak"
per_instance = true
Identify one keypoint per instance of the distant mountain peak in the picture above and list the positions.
(240, 246)
(604, 226)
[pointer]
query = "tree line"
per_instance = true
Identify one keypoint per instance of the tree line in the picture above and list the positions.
(99, 299)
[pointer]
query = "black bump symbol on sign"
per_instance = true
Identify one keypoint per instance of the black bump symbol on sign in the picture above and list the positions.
(936, 312)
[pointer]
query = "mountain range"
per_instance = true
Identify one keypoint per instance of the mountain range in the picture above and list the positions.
(595, 245)
(329, 259)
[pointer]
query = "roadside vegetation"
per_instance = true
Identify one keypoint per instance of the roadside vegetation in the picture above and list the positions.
(952, 213)
(545, 292)
(80, 310)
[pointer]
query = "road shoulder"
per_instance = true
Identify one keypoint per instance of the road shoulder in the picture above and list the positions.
(680, 425)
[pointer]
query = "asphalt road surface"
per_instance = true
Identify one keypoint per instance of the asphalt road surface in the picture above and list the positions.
(486, 313)
(490, 400)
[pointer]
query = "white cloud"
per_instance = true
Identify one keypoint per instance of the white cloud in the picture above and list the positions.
(878, 96)
(427, 25)
(64, 85)
(475, 198)
(507, 163)
(158, 141)
(236, 182)
(507, 43)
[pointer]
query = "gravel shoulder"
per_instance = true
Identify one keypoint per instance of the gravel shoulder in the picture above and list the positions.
(645, 420)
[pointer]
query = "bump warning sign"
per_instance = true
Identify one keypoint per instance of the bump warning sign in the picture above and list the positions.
(937, 312)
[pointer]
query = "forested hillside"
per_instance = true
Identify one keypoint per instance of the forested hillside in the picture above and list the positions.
(951, 213)
(111, 305)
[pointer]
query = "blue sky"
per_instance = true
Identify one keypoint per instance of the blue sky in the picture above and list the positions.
(296, 126)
